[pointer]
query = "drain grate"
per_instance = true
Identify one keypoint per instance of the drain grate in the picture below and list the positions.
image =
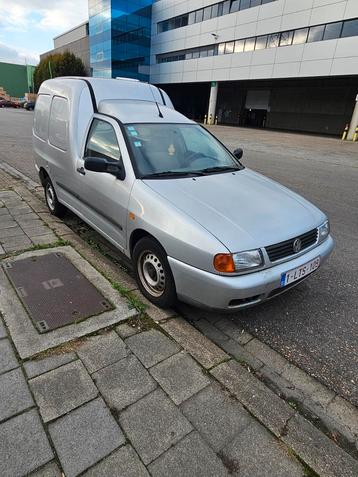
(53, 291)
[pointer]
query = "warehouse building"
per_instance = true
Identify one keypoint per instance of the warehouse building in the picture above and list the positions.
(76, 41)
(16, 80)
(280, 64)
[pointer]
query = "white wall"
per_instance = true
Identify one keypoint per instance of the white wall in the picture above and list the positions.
(325, 58)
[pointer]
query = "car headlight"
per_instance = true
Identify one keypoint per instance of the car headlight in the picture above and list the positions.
(238, 262)
(323, 231)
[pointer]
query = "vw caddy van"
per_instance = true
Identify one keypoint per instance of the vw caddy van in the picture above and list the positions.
(197, 225)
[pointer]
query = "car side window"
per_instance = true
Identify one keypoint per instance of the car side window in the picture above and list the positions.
(102, 141)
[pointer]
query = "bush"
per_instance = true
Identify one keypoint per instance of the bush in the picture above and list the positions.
(58, 64)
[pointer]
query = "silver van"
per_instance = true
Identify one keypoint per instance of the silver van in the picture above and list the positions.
(197, 225)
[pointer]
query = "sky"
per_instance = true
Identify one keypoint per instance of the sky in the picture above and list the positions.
(27, 27)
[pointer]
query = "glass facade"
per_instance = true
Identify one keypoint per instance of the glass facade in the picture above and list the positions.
(120, 37)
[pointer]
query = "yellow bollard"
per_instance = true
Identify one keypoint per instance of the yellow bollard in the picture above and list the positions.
(210, 119)
(205, 119)
(345, 132)
(355, 137)
(216, 120)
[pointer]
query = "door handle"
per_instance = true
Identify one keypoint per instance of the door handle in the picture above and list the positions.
(81, 170)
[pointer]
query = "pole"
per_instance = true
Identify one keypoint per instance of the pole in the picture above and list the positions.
(50, 69)
(354, 121)
(212, 102)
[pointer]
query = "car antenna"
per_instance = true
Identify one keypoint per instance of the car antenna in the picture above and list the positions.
(160, 113)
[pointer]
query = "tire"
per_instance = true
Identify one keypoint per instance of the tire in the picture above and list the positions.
(153, 273)
(52, 202)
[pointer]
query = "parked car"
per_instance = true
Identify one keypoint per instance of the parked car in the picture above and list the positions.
(197, 224)
(29, 105)
(6, 103)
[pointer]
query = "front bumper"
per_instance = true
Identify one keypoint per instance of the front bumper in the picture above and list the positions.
(213, 291)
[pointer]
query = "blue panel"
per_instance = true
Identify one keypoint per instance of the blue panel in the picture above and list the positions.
(120, 36)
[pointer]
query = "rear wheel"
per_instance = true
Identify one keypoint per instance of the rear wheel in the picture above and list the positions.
(153, 273)
(52, 202)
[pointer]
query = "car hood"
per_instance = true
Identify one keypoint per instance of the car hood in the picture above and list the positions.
(244, 210)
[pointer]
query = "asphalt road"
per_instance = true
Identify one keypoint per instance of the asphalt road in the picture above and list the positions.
(315, 324)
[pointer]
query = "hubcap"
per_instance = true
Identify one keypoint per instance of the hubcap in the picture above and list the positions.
(151, 273)
(50, 197)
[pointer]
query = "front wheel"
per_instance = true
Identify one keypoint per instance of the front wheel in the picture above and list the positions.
(153, 273)
(52, 202)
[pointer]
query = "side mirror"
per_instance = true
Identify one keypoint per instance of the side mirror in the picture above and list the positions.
(238, 153)
(101, 164)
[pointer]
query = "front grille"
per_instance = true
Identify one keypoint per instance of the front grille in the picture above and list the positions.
(285, 249)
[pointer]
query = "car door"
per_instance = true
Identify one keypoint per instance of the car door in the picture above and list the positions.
(104, 196)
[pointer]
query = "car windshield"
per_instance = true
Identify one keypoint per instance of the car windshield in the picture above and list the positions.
(177, 150)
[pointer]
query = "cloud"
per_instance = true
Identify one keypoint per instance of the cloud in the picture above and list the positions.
(8, 54)
(24, 15)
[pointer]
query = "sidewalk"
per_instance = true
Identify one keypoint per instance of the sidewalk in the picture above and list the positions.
(150, 396)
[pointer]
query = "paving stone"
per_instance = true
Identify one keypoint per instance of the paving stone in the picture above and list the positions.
(241, 354)
(125, 330)
(44, 239)
(101, 350)
(124, 382)
(154, 424)
(345, 413)
(231, 329)
(308, 385)
(195, 343)
(36, 367)
(7, 223)
(49, 470)
(151, 347)
(20, 210)
(211, 332)
(267, 355)
(263, 403)
(256, 453)
(317, 450)
(85, 436)
(2, 251)
(10, 232)
(180, 377)
(16, 243)
(26, 218)
(216, 415)
(189, 457)
(14, 394)
(24, 446)
(122, 463)
(38, 231)
(3, 211)
(8, 359)
(3, 333)
(63, 389)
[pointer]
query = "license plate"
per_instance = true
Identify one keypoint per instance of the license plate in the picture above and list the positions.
(300, 272)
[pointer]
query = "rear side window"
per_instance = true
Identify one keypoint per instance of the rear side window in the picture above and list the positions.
(102, 141)
(58, 128)
(42, 111)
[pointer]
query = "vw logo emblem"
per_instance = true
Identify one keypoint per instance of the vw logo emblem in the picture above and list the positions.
(297, 245)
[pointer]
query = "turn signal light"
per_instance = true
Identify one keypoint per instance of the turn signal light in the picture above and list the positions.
(223, 262)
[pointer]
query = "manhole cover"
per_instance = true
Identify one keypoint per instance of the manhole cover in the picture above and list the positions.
(53, 291)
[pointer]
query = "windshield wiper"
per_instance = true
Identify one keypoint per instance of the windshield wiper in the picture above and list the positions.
(209, 170)
(173, 174)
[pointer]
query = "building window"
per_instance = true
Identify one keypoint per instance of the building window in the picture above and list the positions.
(274, 40)
(350, 28)
(286, 38)
(315, 34)
(213, 11)
(332, 31)
(300, 36)
(261, 42)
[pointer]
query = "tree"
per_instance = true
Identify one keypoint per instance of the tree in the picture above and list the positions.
(58, 64)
